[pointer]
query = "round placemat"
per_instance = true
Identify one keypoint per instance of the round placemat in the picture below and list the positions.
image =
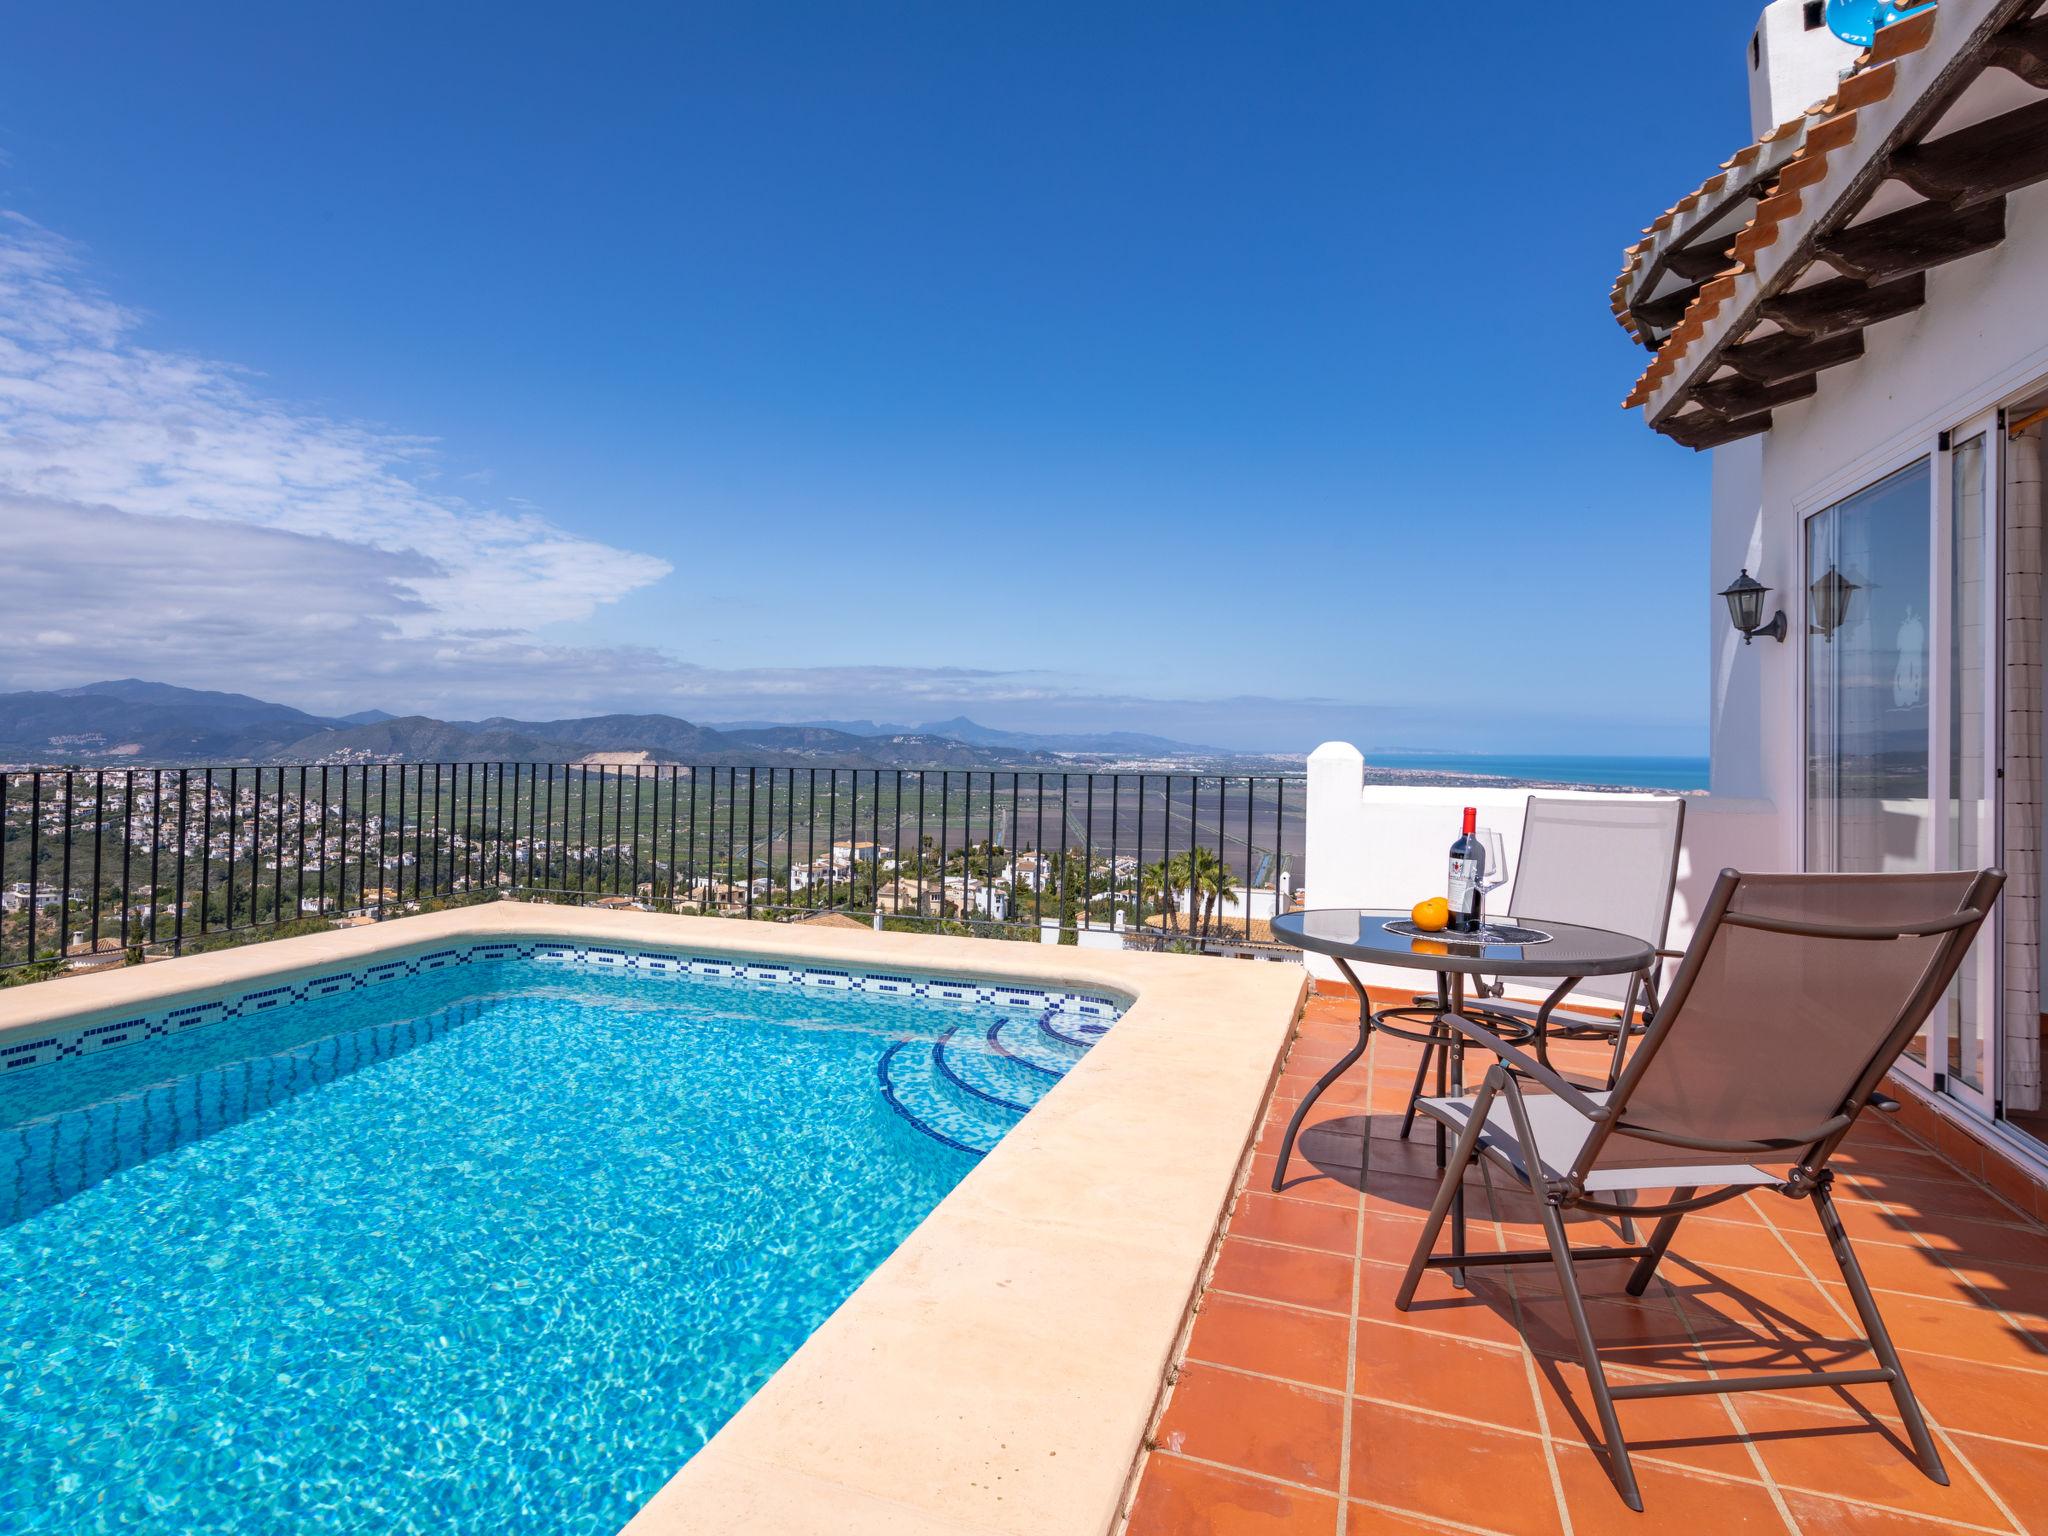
(1489, 933)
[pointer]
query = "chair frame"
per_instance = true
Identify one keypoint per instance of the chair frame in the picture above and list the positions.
(1810, 1177)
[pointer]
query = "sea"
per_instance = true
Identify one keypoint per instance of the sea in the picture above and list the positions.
(1677, 773)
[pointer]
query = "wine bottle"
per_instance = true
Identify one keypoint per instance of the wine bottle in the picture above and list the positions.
(1468, 864)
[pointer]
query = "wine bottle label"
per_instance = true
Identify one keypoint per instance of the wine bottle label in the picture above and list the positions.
(1464, 876)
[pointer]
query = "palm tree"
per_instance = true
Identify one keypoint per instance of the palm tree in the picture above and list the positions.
(1159, 877)
(1210, 883)
(1202, 876)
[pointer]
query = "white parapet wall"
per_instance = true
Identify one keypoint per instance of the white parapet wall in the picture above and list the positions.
(1386, 845)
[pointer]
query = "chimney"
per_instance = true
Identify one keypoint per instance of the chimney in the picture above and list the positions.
(1794, 61)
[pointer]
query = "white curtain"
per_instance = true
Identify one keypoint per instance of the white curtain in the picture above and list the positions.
(2023, 746)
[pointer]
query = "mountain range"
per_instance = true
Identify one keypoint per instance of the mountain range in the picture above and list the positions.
(960, 728)
(134, 722)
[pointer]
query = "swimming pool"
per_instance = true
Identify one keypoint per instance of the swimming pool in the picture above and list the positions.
(494, 1236)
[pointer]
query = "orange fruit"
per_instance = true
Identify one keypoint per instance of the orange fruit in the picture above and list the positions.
(1432, 915)
(1428, 947)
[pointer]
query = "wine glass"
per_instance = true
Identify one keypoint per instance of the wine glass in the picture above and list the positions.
(1494, 871)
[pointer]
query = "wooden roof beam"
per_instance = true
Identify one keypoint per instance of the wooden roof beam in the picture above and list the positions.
(1703, 429)
(1912, 240)
(1984, 161)
(1667, 309)
(1787, 355)
(1843, 304)
(1738, 397)
(1697, 263)
(2023, 49)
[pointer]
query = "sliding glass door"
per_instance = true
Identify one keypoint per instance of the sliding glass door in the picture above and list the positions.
(1967, 700)
(1901, 705)
(1870, 591)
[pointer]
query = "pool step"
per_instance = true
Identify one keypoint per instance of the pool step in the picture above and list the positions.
(976, 1080)
(1079, 1030)
(918, 1090)
(1021, 1039)
(967, 1062)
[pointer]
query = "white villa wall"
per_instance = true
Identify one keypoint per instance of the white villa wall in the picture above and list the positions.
(1380, 845)
(1981, 336)
(1748, 704)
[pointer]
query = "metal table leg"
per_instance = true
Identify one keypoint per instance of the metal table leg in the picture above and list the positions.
(1564, 989)
(1431, 1053)
(1454, 1066)
(1342, 1066)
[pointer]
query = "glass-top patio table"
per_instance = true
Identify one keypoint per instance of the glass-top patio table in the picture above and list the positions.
(1504, 947)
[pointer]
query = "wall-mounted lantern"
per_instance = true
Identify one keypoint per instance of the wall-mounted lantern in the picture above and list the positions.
(1745, 596)
(1830, 602)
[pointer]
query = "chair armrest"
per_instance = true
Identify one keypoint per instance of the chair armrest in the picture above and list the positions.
(1520, 1061)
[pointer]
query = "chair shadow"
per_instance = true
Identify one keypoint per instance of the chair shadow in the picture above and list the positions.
(1697, 1322)
(1983, 1237)
(1694, 1320)
(1578, 1409)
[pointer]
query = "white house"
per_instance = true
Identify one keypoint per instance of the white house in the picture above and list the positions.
(1851, 314)
(17, 898)
(1255, 901)
(972, 894)
(1853, 317)
(1029, 870)
(848, 852)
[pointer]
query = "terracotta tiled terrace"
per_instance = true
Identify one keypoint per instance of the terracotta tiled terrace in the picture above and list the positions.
(1304, 1403)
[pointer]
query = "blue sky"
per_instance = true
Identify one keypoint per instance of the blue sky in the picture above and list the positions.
(1243, 373)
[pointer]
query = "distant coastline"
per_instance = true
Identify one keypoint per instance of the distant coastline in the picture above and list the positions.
(1680, 774)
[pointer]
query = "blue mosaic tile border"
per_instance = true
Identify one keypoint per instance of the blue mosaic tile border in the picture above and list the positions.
(1090, 1013)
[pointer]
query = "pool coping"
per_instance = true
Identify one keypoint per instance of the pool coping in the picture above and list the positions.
(997, 1372)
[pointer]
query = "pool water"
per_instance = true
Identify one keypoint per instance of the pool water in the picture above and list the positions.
(489, 1249)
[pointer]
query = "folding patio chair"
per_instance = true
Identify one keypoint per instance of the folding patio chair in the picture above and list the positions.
(1797, 994)
(1605, 864)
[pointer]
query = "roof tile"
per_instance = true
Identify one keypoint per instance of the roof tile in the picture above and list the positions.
(1870, 80)
(1869, 87)
(1832, 134)
(1827, 127)
(1778, 207)
(1903, 37)
(1803, 172)
(1757, 235)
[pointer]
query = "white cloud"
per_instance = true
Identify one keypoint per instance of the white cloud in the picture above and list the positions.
(161, 517)
(332, 624)
(89, 418)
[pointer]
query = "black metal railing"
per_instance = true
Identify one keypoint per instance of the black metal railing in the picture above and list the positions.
(100, 865)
